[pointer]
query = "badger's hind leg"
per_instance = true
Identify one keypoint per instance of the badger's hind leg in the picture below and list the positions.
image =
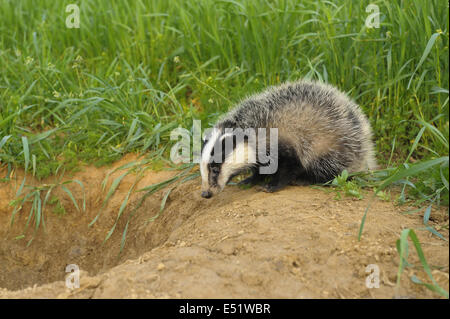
(301, 178)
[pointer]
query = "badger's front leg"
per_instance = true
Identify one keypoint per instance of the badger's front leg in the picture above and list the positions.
(279, 180)
(289, 168)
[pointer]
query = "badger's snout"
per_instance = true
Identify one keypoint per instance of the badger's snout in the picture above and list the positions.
(207, 194)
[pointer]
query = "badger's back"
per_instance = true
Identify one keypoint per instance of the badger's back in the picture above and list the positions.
(326, 129)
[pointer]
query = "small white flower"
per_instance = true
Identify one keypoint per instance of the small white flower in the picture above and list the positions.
(176, 59)
(77, 62)
(28, 60)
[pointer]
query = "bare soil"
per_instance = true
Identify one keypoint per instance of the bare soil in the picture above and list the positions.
(297, 243)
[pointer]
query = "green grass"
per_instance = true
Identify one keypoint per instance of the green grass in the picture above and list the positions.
(135, 70)
(41, 196)
(403, 249)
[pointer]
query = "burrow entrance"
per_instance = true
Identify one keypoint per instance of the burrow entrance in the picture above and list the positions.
(67, 238)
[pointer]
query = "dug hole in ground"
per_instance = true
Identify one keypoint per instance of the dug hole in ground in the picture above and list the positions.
(297, 243)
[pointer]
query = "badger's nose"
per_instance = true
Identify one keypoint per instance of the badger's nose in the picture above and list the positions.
(206, 194)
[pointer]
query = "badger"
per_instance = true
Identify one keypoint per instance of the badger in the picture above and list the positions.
(320, 133)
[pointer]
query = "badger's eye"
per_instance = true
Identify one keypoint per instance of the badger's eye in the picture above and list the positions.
(215, 169)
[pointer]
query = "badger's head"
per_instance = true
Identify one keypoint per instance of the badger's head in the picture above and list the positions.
(224, 155)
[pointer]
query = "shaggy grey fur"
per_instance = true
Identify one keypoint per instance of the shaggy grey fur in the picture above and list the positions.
(324, 131)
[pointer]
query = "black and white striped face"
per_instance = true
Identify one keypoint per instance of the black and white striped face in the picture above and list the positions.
(223, 156)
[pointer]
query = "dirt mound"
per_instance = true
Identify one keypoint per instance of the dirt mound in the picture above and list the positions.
(297, 243)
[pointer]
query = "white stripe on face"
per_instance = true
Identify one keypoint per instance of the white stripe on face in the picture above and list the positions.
(206, 154)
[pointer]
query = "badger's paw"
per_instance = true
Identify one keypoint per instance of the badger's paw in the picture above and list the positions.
(268, 188)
